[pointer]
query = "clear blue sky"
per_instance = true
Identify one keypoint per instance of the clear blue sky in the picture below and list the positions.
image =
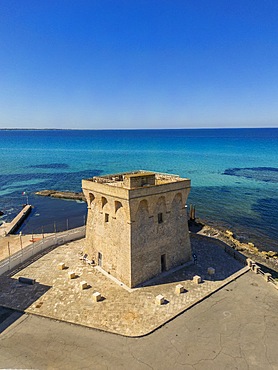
(138, 63)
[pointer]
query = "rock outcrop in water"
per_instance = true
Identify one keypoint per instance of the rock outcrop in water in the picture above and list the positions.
(62, 194)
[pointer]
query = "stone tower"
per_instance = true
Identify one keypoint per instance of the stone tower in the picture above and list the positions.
(137, 224)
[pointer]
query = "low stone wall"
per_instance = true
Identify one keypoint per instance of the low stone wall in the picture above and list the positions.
(267, 276)
(36, 248)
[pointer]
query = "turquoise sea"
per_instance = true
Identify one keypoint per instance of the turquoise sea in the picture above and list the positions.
(234, 173)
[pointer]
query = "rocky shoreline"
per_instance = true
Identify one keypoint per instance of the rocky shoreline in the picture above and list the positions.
(69, 195)
(269, 259)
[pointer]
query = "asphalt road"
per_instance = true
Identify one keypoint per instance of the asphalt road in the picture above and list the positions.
(236, 328)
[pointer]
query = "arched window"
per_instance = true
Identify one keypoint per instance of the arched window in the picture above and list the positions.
(103, 201)
(143, 211)
(161, 209)
(177, 202)
(118, 205)
(91, 198)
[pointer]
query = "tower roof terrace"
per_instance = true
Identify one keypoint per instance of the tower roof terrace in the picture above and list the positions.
(137, 179)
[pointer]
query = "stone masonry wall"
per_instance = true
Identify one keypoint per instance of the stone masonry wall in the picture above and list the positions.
(110, 237)
(152, 237)
(133, 229)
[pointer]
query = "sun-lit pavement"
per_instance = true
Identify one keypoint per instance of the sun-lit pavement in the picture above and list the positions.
(11, 244)
(235, 328)
(128, 313)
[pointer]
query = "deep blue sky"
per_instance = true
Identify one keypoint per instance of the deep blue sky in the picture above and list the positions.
(138, 63)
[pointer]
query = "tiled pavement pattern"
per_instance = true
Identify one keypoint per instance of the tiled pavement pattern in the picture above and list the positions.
(128, 313)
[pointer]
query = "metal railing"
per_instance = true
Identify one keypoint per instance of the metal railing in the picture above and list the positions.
(38, 247)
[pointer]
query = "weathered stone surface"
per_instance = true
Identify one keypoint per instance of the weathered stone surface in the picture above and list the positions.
(61, 266)
(159, 299)
(197, 279)
(83, 285)
(249, 262)
(71, 275)
(61, 194)
(211, 271)
(179, 289)
(267, 276)
(124, 312)
(137, 224)
(228, 232)
(97, 297)
(256, 269)
(208, 336)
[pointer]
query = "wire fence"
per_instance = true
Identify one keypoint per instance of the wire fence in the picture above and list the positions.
(55, 226)
(40, 247)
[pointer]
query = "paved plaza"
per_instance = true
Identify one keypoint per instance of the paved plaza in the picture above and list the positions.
(122, 311)
(234, 329)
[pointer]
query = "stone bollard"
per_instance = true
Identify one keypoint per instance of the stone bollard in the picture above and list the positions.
(249, 262)
(83, 285)
(197, 279)
(267, 276)
(159, 299)
(253, 265)
(256, 269)
(179, 289)
(61, 266)
(97, 297)
(71, 275)
(211, 271)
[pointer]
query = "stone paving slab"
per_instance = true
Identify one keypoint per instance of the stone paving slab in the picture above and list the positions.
(127, 313)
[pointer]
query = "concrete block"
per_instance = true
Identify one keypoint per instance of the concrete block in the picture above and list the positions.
(249, 262)
(197, 279)
(61, 266)
(71, 275)
(83, 285)
(159, 299)
(179, 289)
(97, 297)
(253, 266)
(267, 275)
(211, 271)
(256, 269)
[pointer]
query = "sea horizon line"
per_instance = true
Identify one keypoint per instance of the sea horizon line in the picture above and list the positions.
(138, 129)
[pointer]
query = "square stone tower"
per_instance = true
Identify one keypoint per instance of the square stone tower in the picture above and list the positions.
(137, 224)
